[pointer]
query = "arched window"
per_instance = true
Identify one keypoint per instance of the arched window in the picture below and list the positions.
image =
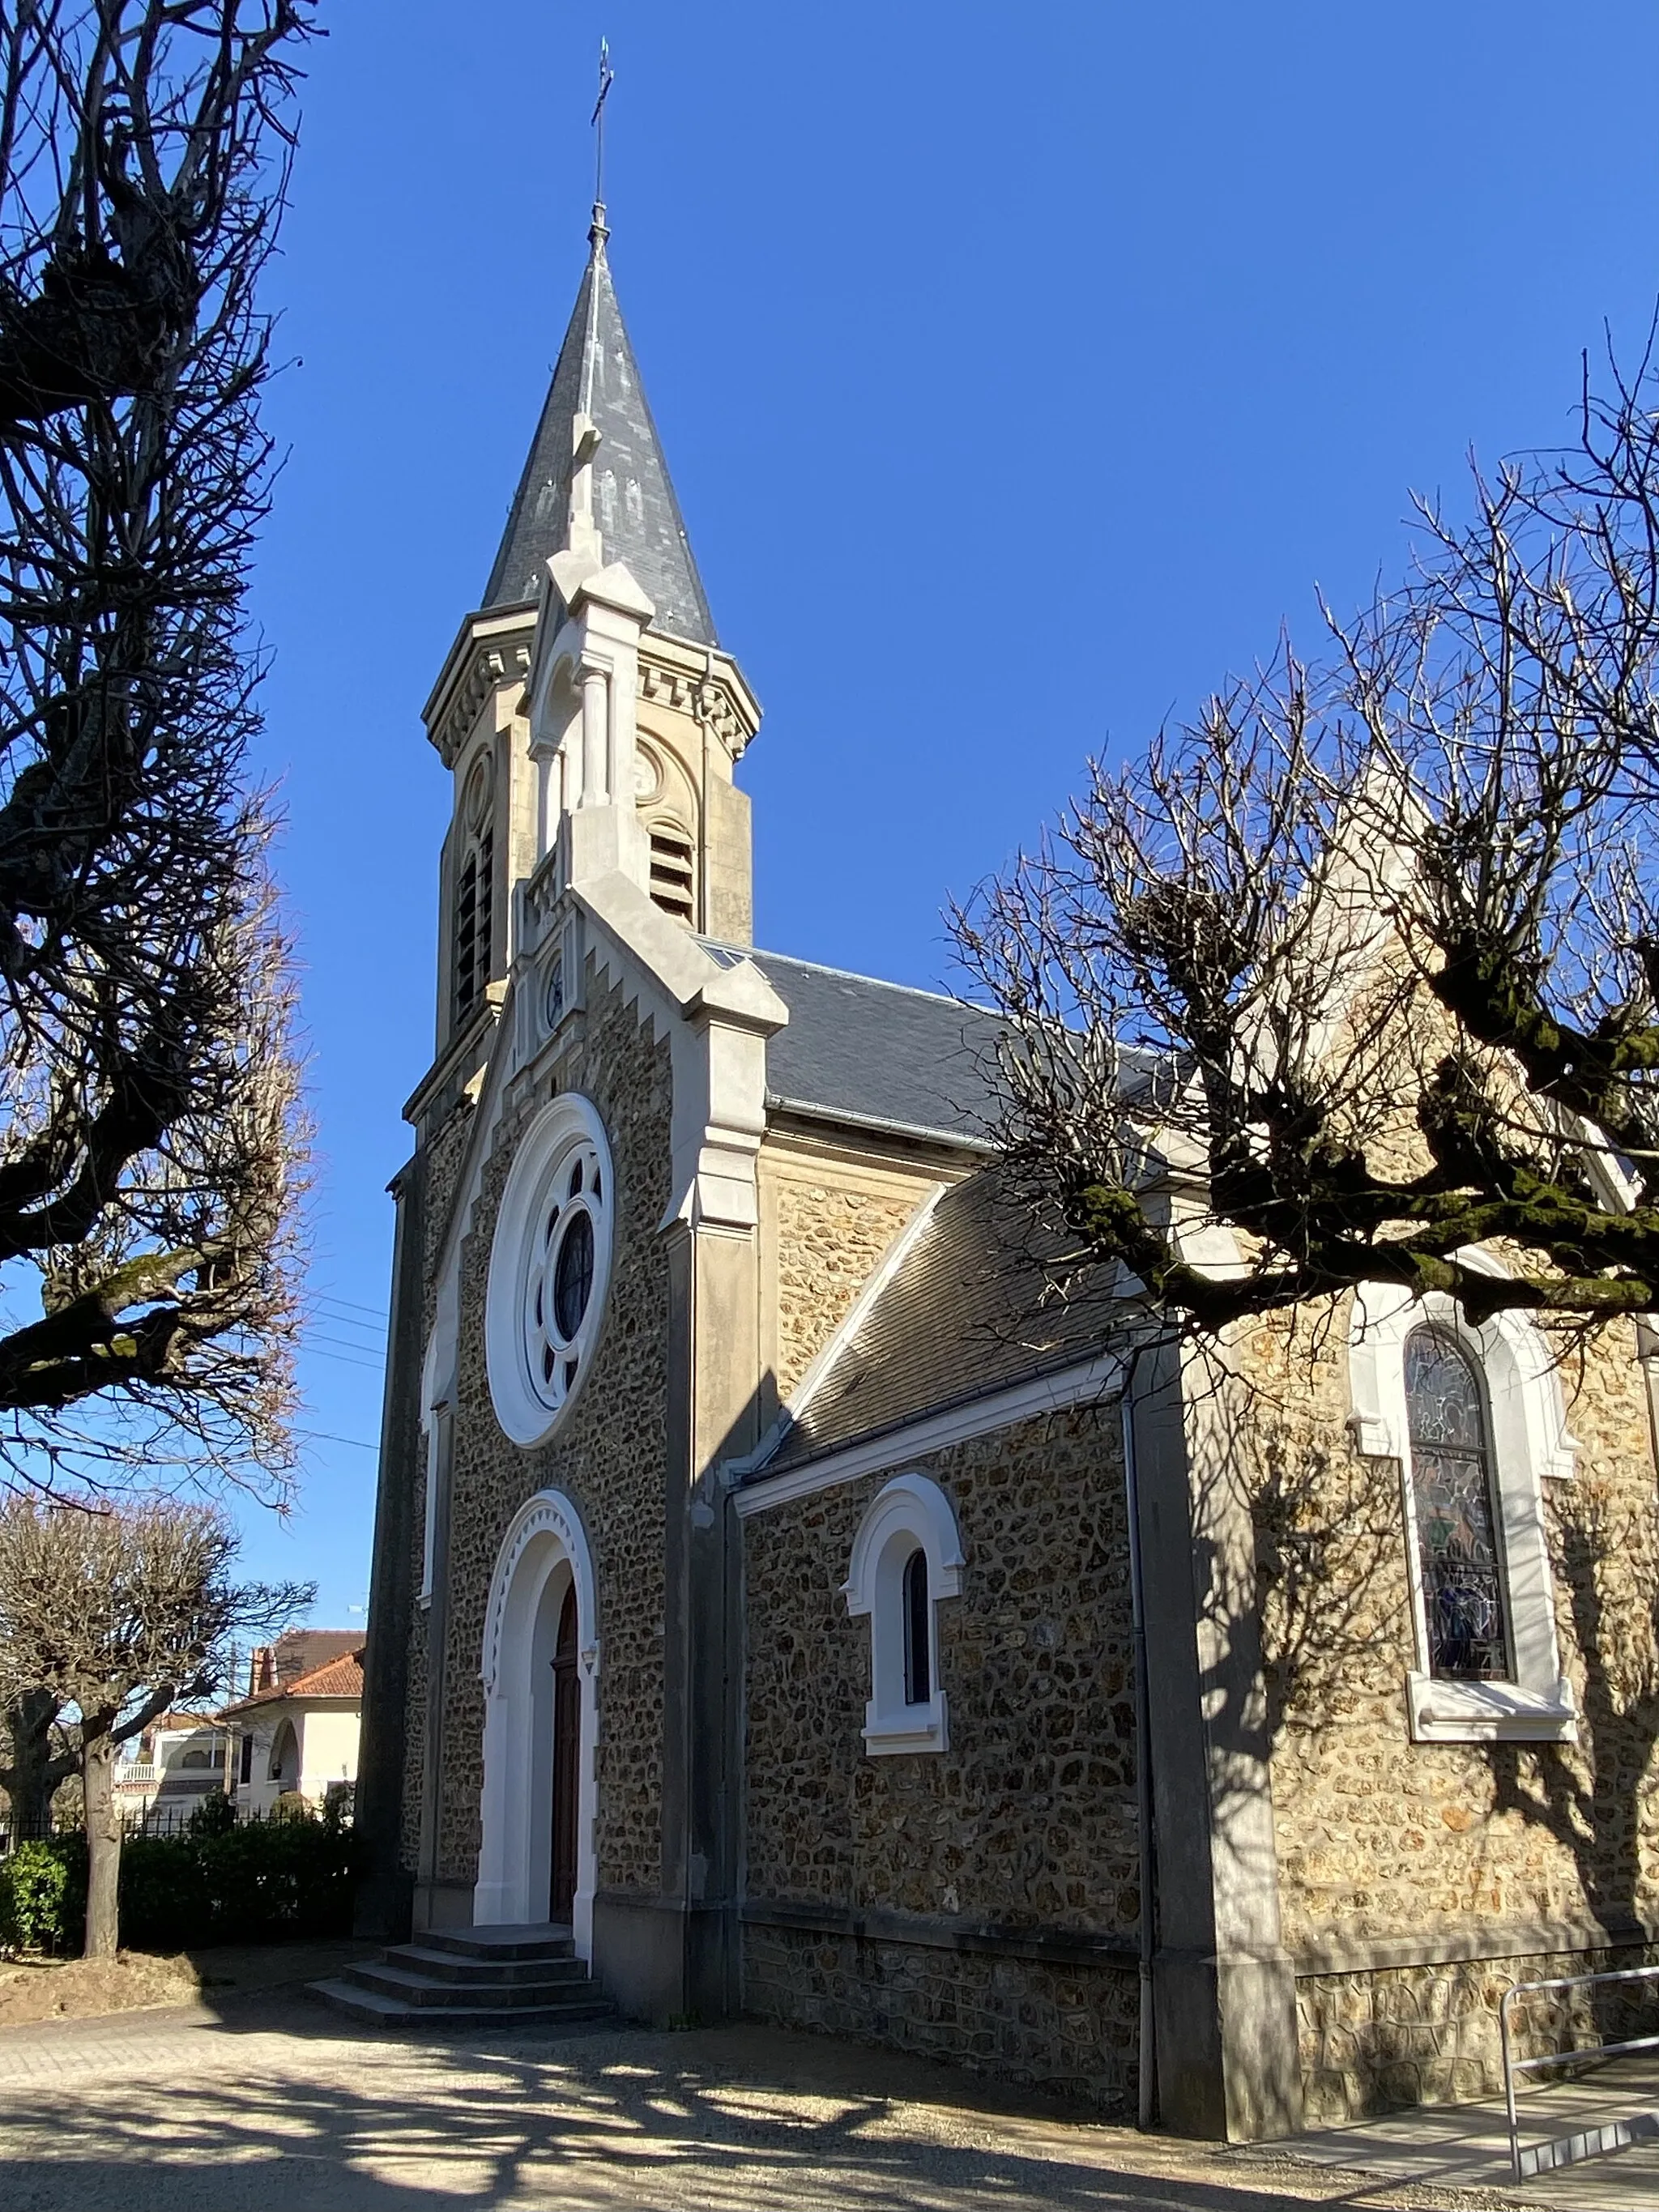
(285, 1757)
(1474, 1417)
(906, 1557)
(918, 1632)
(474, 890)
(1454, 1508)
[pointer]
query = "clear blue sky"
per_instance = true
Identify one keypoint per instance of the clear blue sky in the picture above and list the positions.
(1019, 370)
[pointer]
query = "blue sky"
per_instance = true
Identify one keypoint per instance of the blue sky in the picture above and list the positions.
(1019, 371)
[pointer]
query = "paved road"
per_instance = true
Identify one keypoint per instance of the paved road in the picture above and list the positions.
(273, 2103)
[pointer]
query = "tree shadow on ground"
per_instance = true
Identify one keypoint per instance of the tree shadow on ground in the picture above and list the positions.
(726, 2119)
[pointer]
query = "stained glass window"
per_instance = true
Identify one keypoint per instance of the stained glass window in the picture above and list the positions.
(1455, 1512)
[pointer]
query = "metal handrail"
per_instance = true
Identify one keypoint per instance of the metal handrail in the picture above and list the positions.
(1588, 2143)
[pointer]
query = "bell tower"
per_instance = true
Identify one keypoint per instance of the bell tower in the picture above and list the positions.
(626, 718)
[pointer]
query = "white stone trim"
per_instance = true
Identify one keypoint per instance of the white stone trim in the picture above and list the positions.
(931, 1432)
(1530, 1444)
(543, 1551)
(910, 1511)
(566, 1125)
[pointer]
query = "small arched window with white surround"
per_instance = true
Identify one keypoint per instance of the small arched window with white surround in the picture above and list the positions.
(549, 1265)
(907, 1559)
(1475, 1420)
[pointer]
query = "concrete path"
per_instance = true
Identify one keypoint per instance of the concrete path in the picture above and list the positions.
(1467, 2146)
(271, 2102)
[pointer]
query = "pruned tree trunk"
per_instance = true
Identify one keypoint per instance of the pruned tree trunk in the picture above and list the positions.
(34, 1773)
(103, 1841)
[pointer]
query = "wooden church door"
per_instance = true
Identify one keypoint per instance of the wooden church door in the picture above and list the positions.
(566, 1739)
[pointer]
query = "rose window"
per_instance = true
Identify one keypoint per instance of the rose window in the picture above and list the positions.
(559, 1285)
(547, 1269)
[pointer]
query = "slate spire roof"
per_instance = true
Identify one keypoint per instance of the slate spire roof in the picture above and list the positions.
(634, 503)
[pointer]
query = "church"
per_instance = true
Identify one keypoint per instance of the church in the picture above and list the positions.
(772, 1593)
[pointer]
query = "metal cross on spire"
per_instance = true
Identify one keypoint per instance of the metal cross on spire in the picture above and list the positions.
(607, 78)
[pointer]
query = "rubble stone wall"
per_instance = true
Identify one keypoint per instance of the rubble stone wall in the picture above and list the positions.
(1026, 1823)
(1454, 1845)
(608, 1454)
(1068, 2030)
(828, 1226)
(1429, 2035)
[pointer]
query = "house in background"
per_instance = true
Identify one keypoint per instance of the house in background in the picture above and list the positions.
(297, 1728)
(171, 1766)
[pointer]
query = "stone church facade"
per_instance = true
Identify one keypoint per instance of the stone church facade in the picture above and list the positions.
(768, 1585)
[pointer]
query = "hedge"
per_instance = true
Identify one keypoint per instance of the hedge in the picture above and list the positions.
(253, 1882)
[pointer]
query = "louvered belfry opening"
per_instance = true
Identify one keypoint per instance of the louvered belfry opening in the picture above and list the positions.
(672, 872)
(475, 895)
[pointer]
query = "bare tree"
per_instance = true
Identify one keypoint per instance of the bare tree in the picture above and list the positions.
(41, 1760)
(149, 1126)
(117, 1615)
(1362, 967)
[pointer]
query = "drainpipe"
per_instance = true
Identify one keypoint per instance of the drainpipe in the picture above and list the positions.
(1146, 2111)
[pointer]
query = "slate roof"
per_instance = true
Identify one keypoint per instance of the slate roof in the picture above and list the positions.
(336, 1678)
(963, 1314)
(634, 502)
(877, 1053)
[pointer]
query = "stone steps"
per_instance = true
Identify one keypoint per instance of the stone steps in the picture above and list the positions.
(471, 1976)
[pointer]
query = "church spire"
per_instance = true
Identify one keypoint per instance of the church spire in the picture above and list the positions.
(604, 474)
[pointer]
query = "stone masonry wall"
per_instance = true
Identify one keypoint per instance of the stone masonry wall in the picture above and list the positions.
(831, 1228)
(1380, 1838)
(609, 1456)
(442, 1168)
(1429, 2035)
(1027, 1822)
(1070, 2031)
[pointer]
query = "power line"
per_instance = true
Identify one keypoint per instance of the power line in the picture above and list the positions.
(343, 1344)
(327, 1298)
(332, 1311)
(326, 1436)
(344, 1359)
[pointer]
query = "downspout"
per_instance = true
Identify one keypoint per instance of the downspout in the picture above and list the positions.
(1145, 1839)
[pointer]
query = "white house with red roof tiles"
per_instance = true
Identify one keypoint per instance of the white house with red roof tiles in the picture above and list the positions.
(297, 1728)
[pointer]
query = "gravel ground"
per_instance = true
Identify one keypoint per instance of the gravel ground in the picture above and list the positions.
(273, 2103)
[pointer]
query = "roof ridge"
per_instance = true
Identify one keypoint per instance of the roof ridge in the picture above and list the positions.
(851, 975)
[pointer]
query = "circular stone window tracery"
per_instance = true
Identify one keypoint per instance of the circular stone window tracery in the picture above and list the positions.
(548, 1268)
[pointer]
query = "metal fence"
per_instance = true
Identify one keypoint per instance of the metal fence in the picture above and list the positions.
(1582, 2142)
(169, 1817)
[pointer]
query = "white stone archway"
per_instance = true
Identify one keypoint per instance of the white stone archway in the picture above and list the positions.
(545, 1552)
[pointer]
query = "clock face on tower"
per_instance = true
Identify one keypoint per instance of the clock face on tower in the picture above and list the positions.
(549, 1265)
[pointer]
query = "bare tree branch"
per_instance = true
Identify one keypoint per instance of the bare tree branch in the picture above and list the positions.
(1361, 968)
(150, 1129)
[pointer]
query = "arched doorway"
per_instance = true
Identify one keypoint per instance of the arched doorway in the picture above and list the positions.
(540, 1669)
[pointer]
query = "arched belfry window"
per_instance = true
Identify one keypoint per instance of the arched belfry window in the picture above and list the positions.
(474, 890)
(1455, 1508)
